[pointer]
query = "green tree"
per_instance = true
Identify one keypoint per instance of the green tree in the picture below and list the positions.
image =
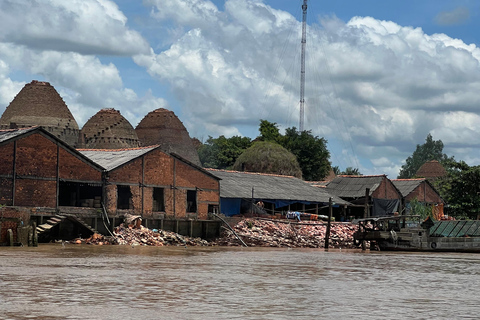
(461, 189)
(268, 131)
(311, 152)
(430, 150)
(336, 170)
(350, 171)
(221, 152)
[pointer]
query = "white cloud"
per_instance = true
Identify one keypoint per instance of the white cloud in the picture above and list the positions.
(381, 86)
(82, 26)
(86, 84)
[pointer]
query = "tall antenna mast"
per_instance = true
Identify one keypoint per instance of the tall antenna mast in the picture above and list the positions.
(302, 72)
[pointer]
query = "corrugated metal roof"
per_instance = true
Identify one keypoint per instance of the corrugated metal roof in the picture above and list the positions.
(111, 159)
(354, 186)
(235, 184)
(406, 186)
(12, 133)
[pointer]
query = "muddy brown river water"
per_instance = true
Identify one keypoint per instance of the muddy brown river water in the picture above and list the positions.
(123, 282)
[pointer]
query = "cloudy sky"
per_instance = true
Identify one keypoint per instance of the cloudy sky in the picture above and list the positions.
(380, 75)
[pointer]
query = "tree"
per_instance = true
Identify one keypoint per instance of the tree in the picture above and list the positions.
(430, 150)
(221, 152)
(349, 171)
(268, 131)
(461, 189)
(311, 152)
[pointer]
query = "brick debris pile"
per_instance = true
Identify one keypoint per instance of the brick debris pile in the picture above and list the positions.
(145, 236)
(133, 235)
(267, 233)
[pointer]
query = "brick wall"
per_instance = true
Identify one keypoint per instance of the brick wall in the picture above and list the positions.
(188, 176)
(36, 156)
(35, 193)
(386, 190)
(11, 219)
(158, 168)
(6, 159)
(424, 193)
(129, 173)
(71, 167)
(111, 199)
(6, 186)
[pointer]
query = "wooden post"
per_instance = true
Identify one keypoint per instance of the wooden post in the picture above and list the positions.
(30, 236)
(35, 234)
(253, 191)
(367, 195)
(327, 233)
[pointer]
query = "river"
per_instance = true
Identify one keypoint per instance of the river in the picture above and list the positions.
(123, 282)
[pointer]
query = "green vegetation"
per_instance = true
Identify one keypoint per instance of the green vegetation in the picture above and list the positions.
(349, 171)
(268, 157)
(310, 151)
(418, 208)
(461, 189)
(221, 152)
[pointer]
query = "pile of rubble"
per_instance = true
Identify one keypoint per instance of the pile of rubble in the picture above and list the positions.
(144, 236)
(139, 235)
(270, 233)
(253, 232)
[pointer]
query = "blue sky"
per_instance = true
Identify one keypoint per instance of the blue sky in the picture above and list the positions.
(380, 75)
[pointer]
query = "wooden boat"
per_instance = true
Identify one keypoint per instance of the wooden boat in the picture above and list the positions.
(408, 233)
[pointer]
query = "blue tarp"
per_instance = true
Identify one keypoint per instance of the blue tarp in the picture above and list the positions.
(230, 207)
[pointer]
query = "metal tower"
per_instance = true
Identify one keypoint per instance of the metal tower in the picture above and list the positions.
(302, 71)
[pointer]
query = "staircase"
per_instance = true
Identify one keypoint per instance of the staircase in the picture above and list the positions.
(52, 222)
(44, 229)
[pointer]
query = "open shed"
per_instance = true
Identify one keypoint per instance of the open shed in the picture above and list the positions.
(240, 191)
(375, 193)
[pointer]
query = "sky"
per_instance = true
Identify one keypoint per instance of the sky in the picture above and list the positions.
(379, 75)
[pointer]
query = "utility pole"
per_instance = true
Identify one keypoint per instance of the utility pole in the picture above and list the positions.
(302, 71)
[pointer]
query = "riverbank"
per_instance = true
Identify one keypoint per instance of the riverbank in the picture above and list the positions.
(254, 232)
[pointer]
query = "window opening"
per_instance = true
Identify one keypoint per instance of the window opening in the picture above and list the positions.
(158, 199)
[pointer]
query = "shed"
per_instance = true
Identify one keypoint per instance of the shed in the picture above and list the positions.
(421, 190)
(278, 193)
(383, 197)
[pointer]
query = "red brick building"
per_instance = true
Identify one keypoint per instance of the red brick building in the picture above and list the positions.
(155, 184)
(383, 197)
(40, 176)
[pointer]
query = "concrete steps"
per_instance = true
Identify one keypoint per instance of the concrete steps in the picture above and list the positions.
(50, 223)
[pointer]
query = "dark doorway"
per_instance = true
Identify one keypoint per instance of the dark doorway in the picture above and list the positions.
(191, 201)
(124, 197)
(158, 199)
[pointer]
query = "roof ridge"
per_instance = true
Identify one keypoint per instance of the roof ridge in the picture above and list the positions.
(361, 176)
(413, 179)
(252, 173)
